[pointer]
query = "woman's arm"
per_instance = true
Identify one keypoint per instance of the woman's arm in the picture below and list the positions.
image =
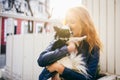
(48, 57)
(92, 64)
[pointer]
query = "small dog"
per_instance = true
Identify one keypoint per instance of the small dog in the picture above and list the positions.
(72, 61)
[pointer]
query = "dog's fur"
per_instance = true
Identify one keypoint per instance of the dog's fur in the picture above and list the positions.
(72, 61)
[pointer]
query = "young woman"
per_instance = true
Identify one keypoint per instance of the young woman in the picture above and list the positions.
(81, 24)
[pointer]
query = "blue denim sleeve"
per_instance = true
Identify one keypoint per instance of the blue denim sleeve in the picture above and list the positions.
(93, 62)
(69, 74)
(48, 57)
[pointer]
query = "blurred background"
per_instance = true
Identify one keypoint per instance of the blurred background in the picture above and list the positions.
(26, 28)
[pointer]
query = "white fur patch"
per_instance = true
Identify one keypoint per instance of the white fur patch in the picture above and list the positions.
(74, 62)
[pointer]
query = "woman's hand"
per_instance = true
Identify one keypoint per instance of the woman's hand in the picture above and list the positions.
(56, 67)
(71, 47)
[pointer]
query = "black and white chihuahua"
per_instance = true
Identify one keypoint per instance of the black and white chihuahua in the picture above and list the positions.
(73, 61)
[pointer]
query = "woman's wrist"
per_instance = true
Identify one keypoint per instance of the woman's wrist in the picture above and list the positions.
(60, 68)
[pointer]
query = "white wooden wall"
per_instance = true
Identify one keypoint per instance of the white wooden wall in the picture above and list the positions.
(22, 54)
(23, 50)
(106, 16)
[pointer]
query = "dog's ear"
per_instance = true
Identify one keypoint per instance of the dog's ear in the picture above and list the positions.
(57, 29)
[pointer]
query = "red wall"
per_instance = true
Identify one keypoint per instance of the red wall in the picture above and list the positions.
(19, 26)
(2, 32)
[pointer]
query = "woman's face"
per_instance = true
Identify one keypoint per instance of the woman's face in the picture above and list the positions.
(73, 22)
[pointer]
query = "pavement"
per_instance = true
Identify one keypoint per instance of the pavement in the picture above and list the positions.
(2, 63)
(2, 60)
(2, 79)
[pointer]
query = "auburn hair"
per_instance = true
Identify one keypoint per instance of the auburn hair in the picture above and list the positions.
(88, 27)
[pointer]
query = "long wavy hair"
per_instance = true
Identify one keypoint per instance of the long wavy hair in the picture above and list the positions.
(87, 26)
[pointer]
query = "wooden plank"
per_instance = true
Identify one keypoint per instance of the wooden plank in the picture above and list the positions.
(17, 67)
(84, 2)
(15, 16)
(103, 35)
(90, 7)
(38, 48)
(22, 17)
(9, 59)
(96, 13)
(117, 37)
(28, 57)
(110, 36)
(47, 39)
(41, 43)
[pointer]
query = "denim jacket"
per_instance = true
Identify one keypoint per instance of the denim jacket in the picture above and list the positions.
(48, 57)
